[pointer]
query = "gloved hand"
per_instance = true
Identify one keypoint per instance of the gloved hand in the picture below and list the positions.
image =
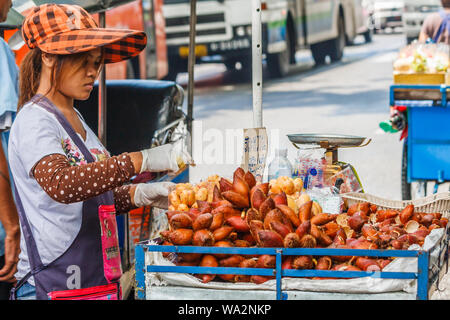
(168, 157)
(154, 194)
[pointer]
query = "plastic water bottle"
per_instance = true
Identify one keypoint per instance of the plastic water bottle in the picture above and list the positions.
(280, 165)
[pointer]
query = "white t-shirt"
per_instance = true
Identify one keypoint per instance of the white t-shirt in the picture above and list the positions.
(35, 134)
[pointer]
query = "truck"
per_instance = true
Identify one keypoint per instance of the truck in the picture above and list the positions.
(223, 32)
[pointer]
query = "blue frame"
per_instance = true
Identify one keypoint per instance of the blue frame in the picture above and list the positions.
(420, 143)
(421, 275)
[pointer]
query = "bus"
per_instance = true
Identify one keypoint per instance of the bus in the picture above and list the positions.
(224, 31)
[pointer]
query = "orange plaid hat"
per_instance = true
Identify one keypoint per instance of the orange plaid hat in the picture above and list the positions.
(68, 29)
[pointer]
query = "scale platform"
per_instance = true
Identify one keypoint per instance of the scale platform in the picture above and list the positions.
(330, 142)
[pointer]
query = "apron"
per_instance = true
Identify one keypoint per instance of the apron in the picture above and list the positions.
(90, 269)
(445, 24)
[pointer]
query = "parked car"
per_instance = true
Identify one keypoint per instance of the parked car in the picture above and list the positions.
(387, 14)
(414, 13)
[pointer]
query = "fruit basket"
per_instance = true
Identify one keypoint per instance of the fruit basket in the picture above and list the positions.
(411, 272)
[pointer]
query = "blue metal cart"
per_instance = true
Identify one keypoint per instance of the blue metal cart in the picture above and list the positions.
(427, 275)
(426, 150)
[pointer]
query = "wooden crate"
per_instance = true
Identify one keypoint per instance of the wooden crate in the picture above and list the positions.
(421, 78)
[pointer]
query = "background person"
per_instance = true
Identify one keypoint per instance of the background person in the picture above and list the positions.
(9, 221)
(437, 25)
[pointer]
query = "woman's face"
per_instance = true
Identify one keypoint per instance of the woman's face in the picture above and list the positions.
(77, 79)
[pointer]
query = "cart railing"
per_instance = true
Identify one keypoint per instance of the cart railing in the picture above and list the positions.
(426, 92)
(422, 274)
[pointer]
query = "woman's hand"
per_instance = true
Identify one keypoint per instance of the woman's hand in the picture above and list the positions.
(154, 194)
(169, 157)
(12, 250)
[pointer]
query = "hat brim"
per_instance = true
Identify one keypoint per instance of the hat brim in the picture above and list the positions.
(118, 44)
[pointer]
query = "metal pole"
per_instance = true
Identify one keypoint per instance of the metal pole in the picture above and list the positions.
(257, 63)
(191, 64)
(102, 93)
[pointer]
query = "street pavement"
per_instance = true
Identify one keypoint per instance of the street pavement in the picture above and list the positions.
(348, 97)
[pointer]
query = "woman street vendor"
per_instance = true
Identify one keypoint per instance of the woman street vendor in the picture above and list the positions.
(68, 186)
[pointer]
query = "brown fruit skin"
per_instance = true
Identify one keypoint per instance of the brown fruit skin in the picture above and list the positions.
(322, 218)
(249, 178)
(221, 203)
(208, 261)
(203, 238)
(170, 214)
(222, 244)
(181, 236)
(266, 207)
(308, 241)
(364, 208)
(217, 221)
(241, 187)
(239, 172)
(249, 238)
(331, 229)
(227, 211)
(225, 185)
(289, 213)
(303, 262)
(238, 224)
(189, 257)
(287, 262)
(217, 196)
(247, 263)
(252, 214)
(273, 215)
(260, 279)
(279, 198)
(382, 263)
(356, 221)
(303, 229)
(291, 240)
(240, 243)
(204, 206)
(255, 226)
(180, 220)
(257, 197)
(266, 261)
(427, 219)
(406, 214)
(369, 232)
(324, 263)
(203, 221)
(222, 233)
(367, 264)
(271, 239)
(304, 212)
(232, 261)
(237, 199)
(279, 228)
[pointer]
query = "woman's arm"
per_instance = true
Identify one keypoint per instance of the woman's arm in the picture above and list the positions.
(124, 198)
(68, 184)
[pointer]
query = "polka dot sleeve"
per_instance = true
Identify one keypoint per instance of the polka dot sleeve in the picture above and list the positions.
(69, 184)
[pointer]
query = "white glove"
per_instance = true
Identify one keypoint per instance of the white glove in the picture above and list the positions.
(154, 194)
(165, 158)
